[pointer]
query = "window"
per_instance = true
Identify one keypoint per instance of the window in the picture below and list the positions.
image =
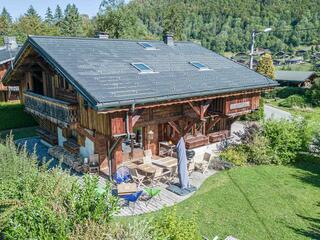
(143, 68)
(147, 46)
(199, 65)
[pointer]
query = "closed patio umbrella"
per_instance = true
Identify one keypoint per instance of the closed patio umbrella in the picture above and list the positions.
(182, 164)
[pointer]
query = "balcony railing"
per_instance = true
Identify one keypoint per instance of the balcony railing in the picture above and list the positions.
(55, 110)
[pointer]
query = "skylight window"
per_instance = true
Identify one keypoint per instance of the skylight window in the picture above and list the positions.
(200, 66)
(147, 46)
(143, 68)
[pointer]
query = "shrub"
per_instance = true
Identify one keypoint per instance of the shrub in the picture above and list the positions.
(235, 155)
(169, 226)
(259, 151)
(41, 204)
(286, 139)
(315, 147)
(293, 101)
(284, 92)
(12, 116)
(313, 94)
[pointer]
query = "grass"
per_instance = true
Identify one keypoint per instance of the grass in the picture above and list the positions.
(261, 202)
(19, 133)
(12, 116)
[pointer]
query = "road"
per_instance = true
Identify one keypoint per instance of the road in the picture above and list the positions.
(276, 113)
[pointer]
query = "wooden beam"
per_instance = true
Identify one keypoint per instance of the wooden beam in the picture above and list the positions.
(196, 109)
(175, 127)
(213, 123)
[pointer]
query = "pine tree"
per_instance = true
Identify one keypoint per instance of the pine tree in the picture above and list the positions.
(5, 22)
(72, 22)
(49, 17)
(266, 67)
(58, 15)
(31, 12)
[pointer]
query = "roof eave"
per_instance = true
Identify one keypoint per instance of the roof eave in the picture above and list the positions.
(119, 104)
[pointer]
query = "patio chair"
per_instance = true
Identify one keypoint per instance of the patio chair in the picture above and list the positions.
(132, 198)
(158, 175)
(169, 178)
(147, 156)
(122, 175)
(152, 193)
(204, 165)
(137, 177)
(94, 163)
(191, 167)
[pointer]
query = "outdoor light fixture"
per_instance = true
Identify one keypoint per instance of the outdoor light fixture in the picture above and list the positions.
(254, 33)
(150, 135)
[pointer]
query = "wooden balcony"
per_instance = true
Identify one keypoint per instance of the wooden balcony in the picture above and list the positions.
(57, 111)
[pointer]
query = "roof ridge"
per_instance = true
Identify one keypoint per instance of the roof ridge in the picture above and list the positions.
(98, 39)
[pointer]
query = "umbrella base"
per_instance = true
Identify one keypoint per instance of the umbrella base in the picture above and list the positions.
(175, 188)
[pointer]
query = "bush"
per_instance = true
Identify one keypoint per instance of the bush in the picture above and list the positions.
(284, 92)
(169, 226)
(293, 101)
(42, 204)
(235, 155)
(313, 94)
(286, 139)
(12, 116)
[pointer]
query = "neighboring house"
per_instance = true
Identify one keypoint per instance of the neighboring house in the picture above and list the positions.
(7, 54)
(117, 97)
(295, 78)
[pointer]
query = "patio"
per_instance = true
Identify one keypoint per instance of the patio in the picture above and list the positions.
(163, 199)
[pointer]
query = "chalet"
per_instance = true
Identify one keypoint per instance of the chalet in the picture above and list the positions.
(295, 78)
(115, 97)
(7, 54)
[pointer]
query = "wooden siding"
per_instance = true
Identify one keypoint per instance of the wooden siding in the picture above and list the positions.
(90, 119)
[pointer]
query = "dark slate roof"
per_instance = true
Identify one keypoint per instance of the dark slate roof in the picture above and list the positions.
(101, 70)
(293, 76)
(5, 54)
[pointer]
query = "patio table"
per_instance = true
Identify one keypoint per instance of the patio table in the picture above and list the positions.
(149, 169)
(167, 162)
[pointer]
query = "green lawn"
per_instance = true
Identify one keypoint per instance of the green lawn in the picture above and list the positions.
(12, 115)
(19, 133)
(261, 202)
(296, 67)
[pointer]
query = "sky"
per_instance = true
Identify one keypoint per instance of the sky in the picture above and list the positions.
(18, 7)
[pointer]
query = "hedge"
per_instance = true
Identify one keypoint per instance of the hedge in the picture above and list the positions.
(12, 116)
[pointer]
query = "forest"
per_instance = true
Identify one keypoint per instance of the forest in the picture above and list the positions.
(220, 25)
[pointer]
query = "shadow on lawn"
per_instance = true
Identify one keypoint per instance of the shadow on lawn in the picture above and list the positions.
(311, 165)
(313, 231)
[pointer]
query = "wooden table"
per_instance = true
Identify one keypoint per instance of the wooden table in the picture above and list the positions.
(167, 162)
(126, 188)
(149, 168)
(168, 148)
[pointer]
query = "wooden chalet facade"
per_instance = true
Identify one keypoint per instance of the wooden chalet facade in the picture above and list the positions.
(116, 130)
(7, 54)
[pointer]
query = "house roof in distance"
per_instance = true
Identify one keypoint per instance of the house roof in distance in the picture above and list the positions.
(293, 76)
(102, 71)
(6, 55)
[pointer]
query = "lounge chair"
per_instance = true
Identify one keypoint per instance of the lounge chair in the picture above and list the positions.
(191, 167)
(132, 198)
(152, 193)
(122, 175)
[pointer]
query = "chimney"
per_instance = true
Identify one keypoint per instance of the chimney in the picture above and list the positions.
(102, 35)
(168, 39)
(10, 42)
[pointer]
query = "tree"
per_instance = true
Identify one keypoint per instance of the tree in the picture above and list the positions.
(31, 12)
(72, 22)
(49, 16)
(5, 22)
(110, 5)
(174, 20)
(58, 15)
(266, 67)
